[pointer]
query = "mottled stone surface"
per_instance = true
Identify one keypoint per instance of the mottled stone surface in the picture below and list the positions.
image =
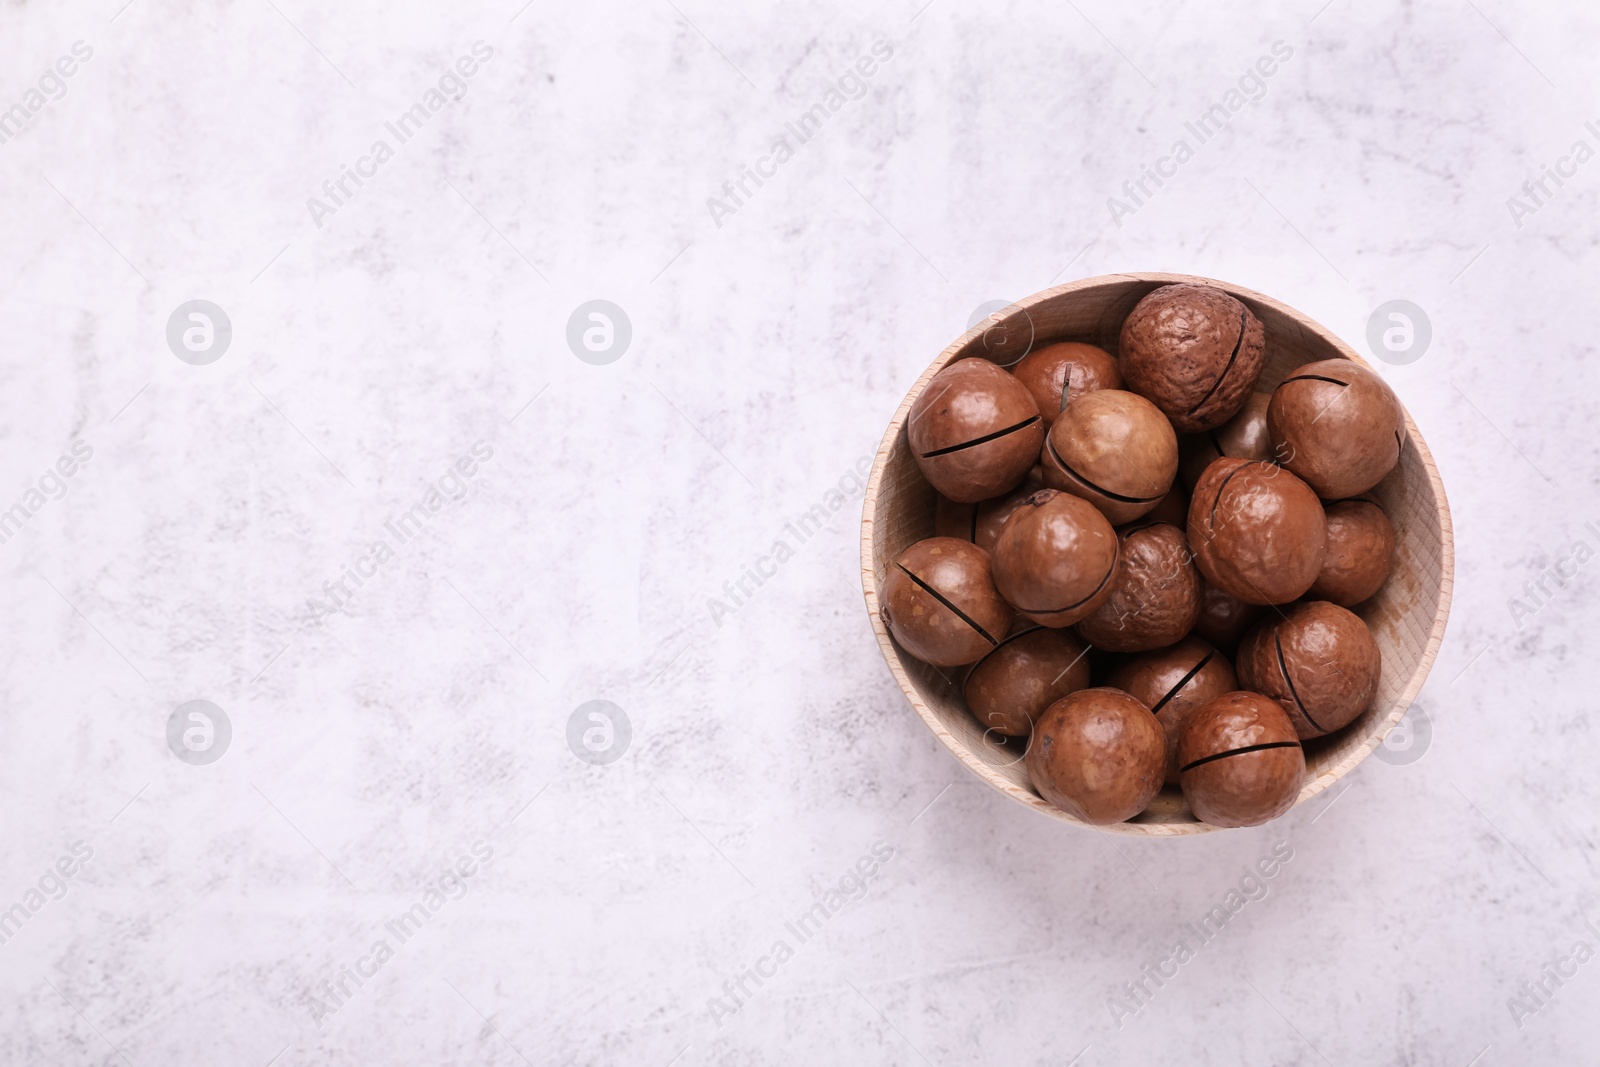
(597, 552)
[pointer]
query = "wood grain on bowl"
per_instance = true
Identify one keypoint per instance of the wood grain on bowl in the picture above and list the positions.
(1407, 616)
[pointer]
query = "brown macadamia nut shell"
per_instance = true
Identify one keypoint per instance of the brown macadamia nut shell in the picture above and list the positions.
(1257, 531)
(1055, 374)
(1155, 595)
(1012, 686)
(975, 431)
(1360, 553)
(1319, 661)
(1195, 351)
(1337, 425)
(979, 523)
(1098, 755)
(940, 602)
(1114, 449)
(1055, 558)
(1244, 436)
(1174, 683)
(1224, 619)
(1242, 764)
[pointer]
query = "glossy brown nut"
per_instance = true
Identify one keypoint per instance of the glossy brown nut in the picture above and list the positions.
(978, 523)
(992, 515)
(1337, 425)
(974, 430)
(1224, 619)
(1195, 351)
(1098, 755)
(940, 603)
(1257, 531)
(1175, 682)
(1360, 553)
(1155, 596)
(1055, 558)
(1319, 661)
(1115, 449)
(1241, 762)
(1012, 686)
(1060, 372)
(1244, 436)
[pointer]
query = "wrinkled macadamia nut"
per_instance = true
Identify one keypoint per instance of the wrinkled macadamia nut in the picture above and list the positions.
(1318, 660)
(1155, 596)
(1195, 351)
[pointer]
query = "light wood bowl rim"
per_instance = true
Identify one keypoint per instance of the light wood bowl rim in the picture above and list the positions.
(892, 654)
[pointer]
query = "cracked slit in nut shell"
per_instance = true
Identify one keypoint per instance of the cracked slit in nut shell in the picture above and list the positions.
(985, 439)
(949, 605)
(1263, 747)
(1244, 321)
(1075, 606)
(1067, 469)
(1283, 668)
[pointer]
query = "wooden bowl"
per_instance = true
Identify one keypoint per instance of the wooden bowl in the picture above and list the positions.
(1407, 617)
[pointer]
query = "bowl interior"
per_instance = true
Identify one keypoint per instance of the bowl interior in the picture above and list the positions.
(1407, 616)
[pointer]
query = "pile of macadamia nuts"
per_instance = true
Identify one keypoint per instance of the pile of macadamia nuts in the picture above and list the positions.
(1151, 523)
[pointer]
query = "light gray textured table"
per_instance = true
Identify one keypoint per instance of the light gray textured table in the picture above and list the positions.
(398, 532)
